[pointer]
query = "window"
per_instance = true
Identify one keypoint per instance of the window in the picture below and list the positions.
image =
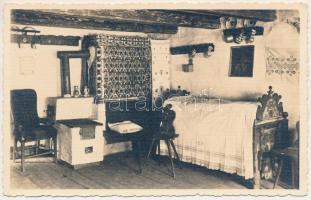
(242, 60)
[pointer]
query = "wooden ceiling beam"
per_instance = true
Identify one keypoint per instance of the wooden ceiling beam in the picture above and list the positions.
(186, 19)
(149, 21)
(261, 15)
(172, 17)
(36, 17)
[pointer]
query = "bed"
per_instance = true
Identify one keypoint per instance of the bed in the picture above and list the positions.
(227, 135)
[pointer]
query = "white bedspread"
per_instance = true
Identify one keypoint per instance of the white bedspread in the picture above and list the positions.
(215, 134)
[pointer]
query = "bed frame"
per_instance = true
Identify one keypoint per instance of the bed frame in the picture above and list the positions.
(270, 131)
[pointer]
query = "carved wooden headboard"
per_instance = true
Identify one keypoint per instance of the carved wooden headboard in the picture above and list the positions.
(270, 131)
(271, 108)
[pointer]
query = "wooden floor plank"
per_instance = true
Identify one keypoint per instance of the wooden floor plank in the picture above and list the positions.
(118, 172)
(65, 177)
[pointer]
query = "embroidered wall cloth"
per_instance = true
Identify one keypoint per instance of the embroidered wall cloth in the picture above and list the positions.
(282, 62)
(122, 67)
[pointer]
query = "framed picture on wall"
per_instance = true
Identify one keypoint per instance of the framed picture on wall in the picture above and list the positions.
(242, 61)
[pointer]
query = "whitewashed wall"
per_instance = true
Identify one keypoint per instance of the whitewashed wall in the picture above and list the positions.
(212, 74)
(46, 66)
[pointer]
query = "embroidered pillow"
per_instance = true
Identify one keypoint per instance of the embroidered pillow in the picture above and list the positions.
(125, 127)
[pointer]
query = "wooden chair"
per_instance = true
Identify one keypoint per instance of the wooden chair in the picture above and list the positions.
(168, 134)
(28, 126)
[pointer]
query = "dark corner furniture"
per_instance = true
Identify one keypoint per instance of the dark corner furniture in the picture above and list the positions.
(126, 111)
(28, 126)
(167, 134)
(290, 154)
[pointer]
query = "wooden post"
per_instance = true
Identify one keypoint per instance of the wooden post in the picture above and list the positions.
(65, 76)
(23, 155)
(14, 149)
(55, 148)
(256, 162)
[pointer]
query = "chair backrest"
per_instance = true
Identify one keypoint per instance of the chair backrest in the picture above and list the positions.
(24, 107)
(168, 117)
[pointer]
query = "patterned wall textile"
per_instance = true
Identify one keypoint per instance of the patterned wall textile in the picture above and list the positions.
(282, 62)
(122, 67)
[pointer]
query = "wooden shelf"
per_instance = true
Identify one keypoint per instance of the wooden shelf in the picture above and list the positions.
(187, 49)
(46, 39)
(236, 31)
